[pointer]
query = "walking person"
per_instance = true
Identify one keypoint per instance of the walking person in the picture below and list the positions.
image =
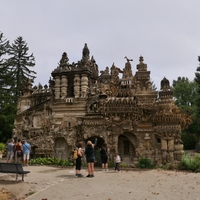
(104, 157)
(117, 162)
(79, 160)
(90, 157)
(26, 152)
(18, 151)
(10, 151)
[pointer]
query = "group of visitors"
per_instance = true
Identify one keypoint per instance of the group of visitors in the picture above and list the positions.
(90, 158)
(18, 152)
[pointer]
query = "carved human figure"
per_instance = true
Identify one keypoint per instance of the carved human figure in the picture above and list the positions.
(139, 151)
(64, 61)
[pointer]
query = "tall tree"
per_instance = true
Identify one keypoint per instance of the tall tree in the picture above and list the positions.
(184, 92)
(4, 44)
(3, 47)
(19, 64)
(14, 71)
(197, 80)
(7, 109)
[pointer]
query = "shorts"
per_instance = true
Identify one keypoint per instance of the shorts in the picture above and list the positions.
(90, 160)
(26, 156)
(104, 159)
(10, 155)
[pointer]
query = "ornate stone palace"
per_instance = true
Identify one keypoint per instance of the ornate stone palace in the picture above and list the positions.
(80, 105)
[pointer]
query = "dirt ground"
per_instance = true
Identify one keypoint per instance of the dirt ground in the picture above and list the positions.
(50, 183)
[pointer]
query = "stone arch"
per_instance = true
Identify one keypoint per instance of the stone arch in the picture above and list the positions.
(127, 144)
(61, 149)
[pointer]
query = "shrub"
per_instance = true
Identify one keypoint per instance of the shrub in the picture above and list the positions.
(145, 163)
(169, 166)
(111, 164)
(191, 163)
(2, 147)
(51, 161)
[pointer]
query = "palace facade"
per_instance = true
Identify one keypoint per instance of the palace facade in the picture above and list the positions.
(79, 104)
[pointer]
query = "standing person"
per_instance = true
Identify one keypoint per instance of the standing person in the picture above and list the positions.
(18, 151)
(79, 160)
(104, 157)
(10, 151)
(26, 152)
(90, 157)
(117, 162)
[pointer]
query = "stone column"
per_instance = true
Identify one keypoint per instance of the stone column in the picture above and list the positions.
(163, 145)
(84, 85)
(164, 150)
(171, 150)
(178, 151)
(63, 86)
(77, 81)
(171, 145)
(57, 87)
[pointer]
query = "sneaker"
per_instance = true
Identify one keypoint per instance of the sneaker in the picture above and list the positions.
(92, 175)
(80, 175)
(76, 175)
(88, 175)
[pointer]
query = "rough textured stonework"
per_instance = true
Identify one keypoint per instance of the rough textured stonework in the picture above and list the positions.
(80, 105)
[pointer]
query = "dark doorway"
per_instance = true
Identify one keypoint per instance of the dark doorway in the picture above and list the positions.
(100, 142)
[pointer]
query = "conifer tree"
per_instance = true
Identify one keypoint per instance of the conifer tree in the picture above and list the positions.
(197, 79)
(14, 71)
(19, 64)
(4, 44)
(7, 109)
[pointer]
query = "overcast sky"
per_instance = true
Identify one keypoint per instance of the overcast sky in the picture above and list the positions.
(165, 32)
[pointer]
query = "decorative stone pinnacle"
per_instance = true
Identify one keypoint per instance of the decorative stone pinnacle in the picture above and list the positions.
(141, 59)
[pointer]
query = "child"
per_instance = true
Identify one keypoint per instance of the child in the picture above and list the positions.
(117, 162)
(79, 160)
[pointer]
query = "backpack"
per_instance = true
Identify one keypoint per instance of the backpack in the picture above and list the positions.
(75, 156)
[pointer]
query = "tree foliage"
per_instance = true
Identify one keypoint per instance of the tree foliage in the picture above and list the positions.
(18, 65)
(197, 113)
(4, 44)
(197, 80)
(14, 72)
(185, 93)
(187, 96)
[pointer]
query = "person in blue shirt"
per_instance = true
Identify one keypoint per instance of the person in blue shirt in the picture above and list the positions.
(26, 152)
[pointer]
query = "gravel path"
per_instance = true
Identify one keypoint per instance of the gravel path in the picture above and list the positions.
(53, 183)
